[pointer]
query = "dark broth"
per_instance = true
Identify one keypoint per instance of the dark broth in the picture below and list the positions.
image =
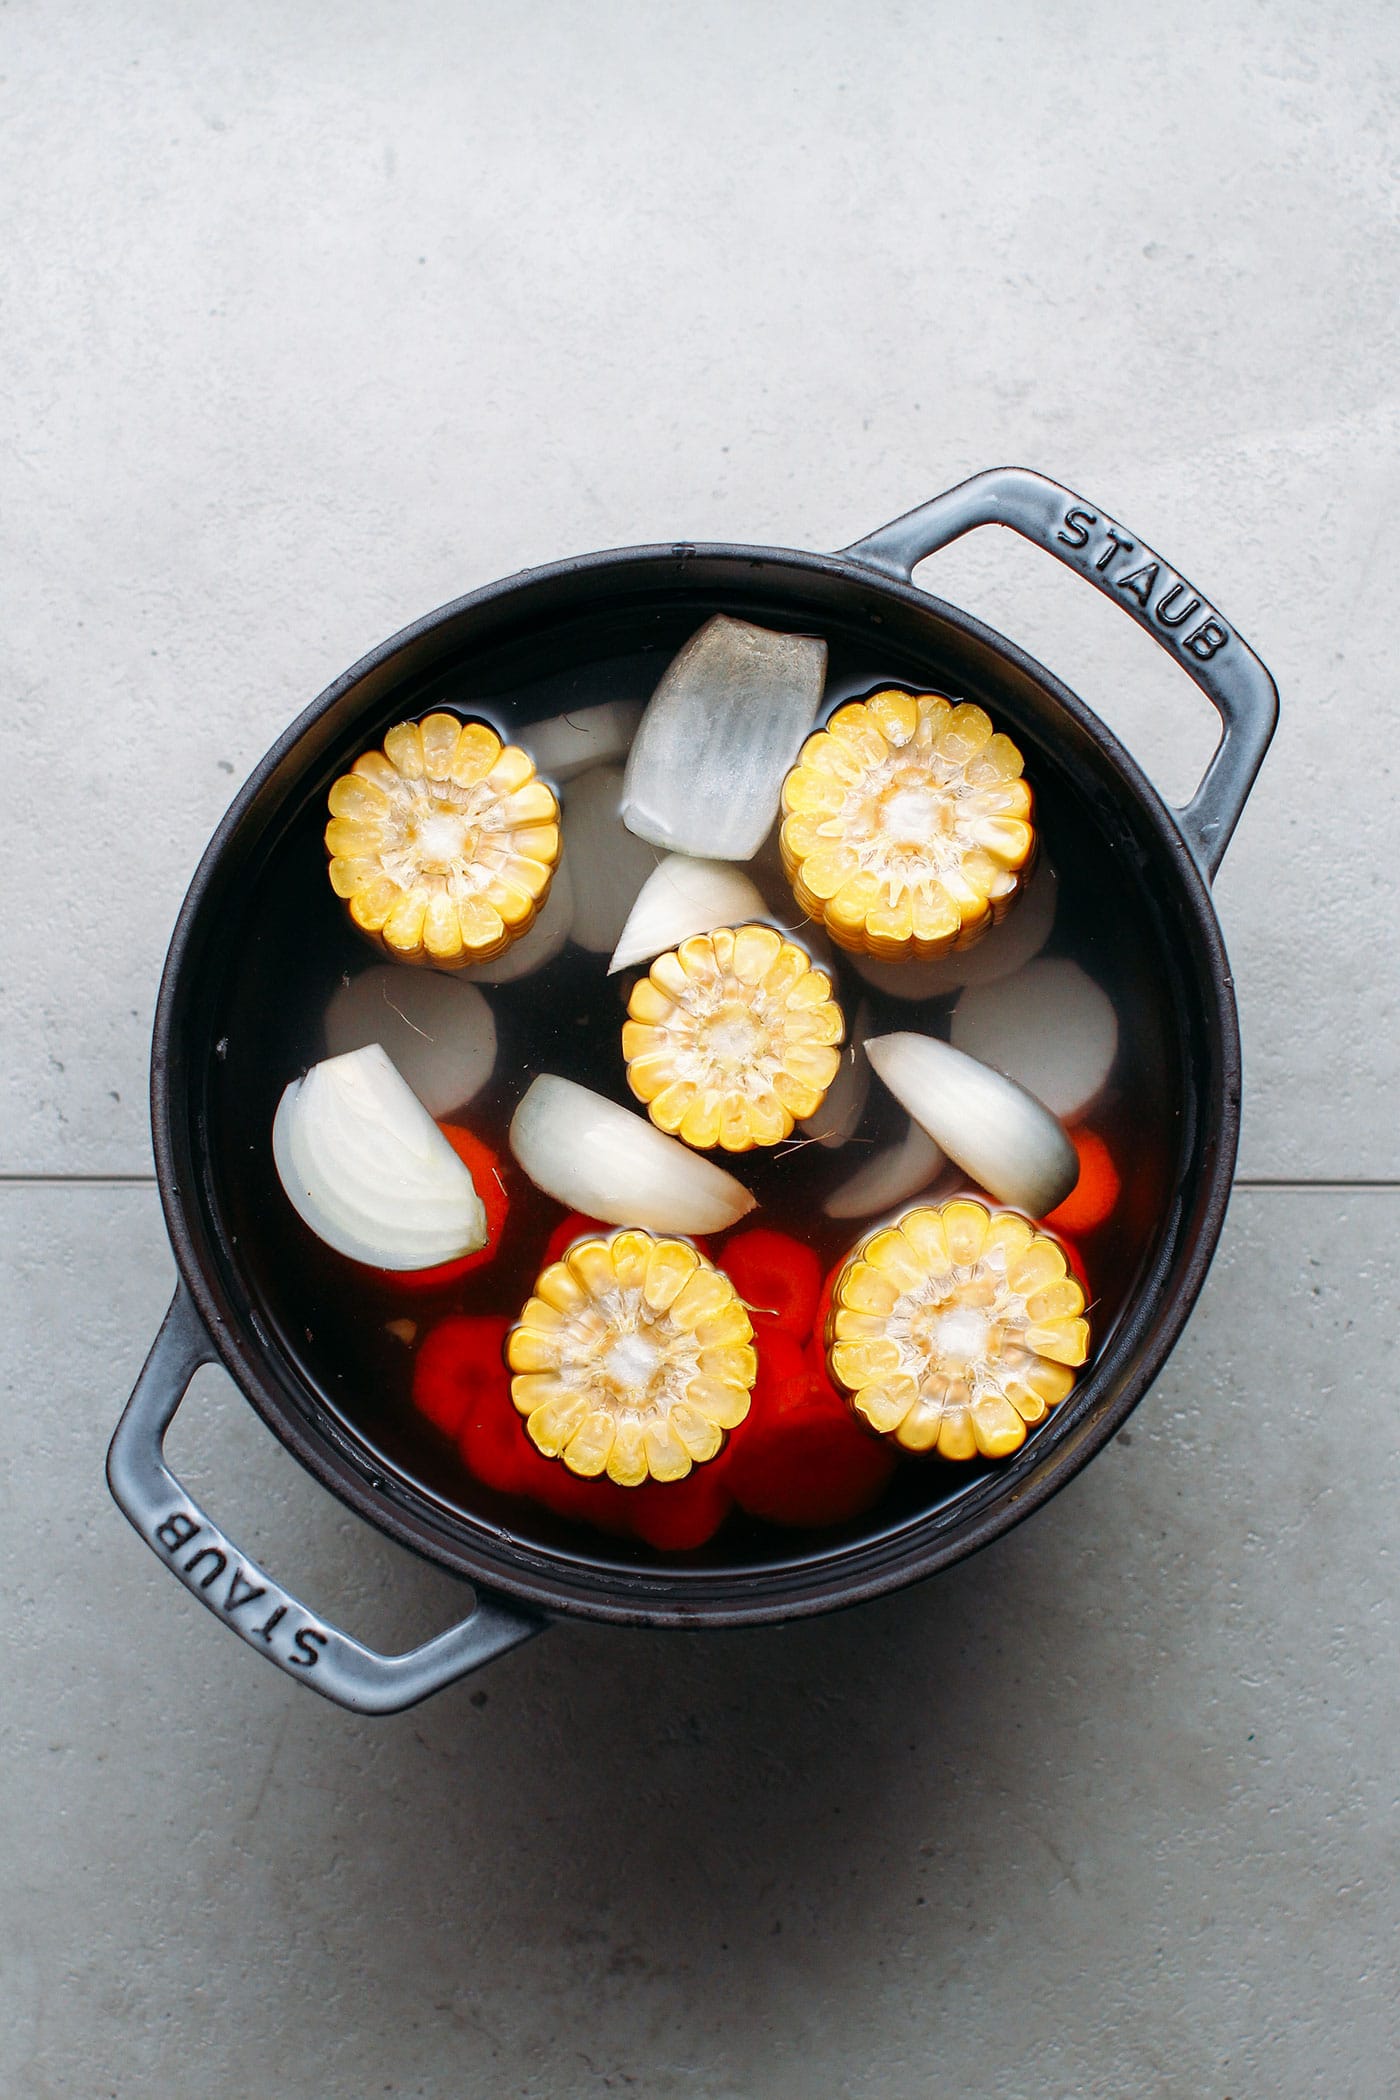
(296, 943)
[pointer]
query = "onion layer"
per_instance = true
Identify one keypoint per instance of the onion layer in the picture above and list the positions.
(597, 1158)
(367, 1169)
(682, 896)
(998, 1133)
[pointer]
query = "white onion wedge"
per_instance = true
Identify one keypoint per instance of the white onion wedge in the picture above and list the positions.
(997, 1132)
(719, 733)
(541, 944)
(1003, 949)
(569, 744)
(844, 1102)
(366, 1167)
(600, 1159)
(608, 862)
(891, 1177)
(1050, 1027)
(438, 1032)
(680, 897)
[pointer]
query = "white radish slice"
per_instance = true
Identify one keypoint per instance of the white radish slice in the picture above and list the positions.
(719, 733)
(366, 1167)
(1005, 948)
(439, 1032)
(997, 1132)
(608, 862)
(569, 744)
(680, 897)
(600, 1159)
(541, 944)
(767, 870)
(1050, 1027)
(891, 1177)
(844, 1102)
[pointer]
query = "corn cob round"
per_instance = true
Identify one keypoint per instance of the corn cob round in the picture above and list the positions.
(956, 1328)
(732, 1038)
(907, 826)
(633, 1358)
(444, 843)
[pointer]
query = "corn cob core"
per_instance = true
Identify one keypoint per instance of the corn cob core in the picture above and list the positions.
(732, 1038)
(633, 1358)
(955, 1328)
(444, 843)
(906, 826)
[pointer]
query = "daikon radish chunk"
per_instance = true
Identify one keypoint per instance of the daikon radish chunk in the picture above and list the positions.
(892, 1176)
(1050, 1027)
(569, 744)
(438, 1030)
(607, 863)
(720, 731)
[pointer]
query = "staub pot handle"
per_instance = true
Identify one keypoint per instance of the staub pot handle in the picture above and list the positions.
(1086, 539)
(236, 1589)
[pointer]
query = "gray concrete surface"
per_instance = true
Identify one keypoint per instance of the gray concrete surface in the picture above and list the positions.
(316, 317)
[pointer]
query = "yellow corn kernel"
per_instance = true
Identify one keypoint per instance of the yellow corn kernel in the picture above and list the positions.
(732, 1038)
(444, 843)
(907, 828)
(633, 1358)
(955, 1328)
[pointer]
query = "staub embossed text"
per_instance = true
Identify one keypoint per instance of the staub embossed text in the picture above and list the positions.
(1166, 600)
(294, 1639)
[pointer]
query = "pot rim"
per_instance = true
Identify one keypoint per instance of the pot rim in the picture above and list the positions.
(862, 1568)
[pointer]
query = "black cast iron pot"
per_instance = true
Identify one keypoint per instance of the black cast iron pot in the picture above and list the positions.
(1164, 858)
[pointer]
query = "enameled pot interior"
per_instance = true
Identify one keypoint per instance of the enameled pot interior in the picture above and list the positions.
(264, 943)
